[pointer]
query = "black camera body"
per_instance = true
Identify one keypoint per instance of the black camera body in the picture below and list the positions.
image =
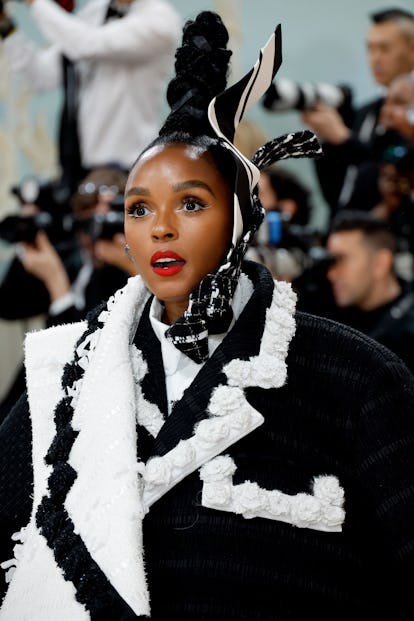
(21, 228)
(52, 215)
(103, 225)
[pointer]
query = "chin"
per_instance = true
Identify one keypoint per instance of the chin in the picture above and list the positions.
(170, 294)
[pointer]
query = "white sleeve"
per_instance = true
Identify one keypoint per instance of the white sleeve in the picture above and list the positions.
(62, 304)
(153, 27)
(40, 67)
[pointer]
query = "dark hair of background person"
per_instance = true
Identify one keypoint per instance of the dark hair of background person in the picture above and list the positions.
(375, 230)
(393, 14)
(286, 185)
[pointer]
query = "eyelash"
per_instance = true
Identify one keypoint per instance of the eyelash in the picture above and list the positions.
(195, 201)
(132, 209)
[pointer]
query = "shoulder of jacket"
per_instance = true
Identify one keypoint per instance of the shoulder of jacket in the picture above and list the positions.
(326, 336)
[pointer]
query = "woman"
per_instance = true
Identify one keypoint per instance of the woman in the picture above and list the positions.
(197, 452)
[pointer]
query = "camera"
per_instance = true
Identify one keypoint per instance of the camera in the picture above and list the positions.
(52, 213)
(284, 94)
(20, 228)
(105, 225)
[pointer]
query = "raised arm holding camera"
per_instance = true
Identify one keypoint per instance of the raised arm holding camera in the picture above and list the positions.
(76, 258)
(348, 172)
(66, 262)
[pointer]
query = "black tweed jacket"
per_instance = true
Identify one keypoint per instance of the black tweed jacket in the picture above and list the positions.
(346, 410)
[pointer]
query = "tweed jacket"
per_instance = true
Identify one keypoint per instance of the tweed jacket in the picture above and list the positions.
(280, 485)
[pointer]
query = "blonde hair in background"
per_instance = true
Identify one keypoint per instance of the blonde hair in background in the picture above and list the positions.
(249, 135)
(21, 134)
(229, 11)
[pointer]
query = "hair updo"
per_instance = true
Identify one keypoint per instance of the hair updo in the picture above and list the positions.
(201, 68)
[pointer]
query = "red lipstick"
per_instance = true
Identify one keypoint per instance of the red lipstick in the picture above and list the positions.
(167, 263)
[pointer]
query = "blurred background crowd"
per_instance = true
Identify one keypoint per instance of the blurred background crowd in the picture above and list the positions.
(82, 92)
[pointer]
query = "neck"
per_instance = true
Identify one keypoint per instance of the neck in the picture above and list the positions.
(173, 310)
(383, 293)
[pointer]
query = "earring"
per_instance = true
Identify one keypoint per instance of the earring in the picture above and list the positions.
(128, 254)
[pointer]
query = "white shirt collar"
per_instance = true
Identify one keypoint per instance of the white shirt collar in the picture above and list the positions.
(178, 364)
(242, 294)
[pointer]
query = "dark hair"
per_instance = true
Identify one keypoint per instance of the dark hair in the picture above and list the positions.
(201, 67)
(376, 231)
(286, 185)
(402, 18)
(405, 163)
(391, 15)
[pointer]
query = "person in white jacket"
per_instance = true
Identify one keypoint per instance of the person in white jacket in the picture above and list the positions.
(122, 55)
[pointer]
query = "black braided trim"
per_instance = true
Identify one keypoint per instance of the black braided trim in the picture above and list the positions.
(93, 589)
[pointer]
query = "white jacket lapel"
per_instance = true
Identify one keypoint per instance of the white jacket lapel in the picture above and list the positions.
(230, 416)
(104, 502)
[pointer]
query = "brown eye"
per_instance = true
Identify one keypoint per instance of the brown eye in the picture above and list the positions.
(191, 205)
(138, 210)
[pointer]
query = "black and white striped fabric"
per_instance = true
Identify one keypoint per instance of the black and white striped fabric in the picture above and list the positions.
(209, 310)
(296, 144)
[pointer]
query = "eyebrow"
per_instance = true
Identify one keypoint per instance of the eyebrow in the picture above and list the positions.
(138, 190)
(177, 187)
(192, 183)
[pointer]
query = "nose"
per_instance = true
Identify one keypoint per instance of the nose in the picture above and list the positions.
(164, 228)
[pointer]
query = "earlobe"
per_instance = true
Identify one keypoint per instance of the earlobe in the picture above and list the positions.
(128, 253)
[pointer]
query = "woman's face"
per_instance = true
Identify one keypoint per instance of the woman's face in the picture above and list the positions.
(178, 221)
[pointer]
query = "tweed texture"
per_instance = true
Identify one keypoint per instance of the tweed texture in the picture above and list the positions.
(346, 410)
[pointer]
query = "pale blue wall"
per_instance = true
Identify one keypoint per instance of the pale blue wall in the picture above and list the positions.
(323, 40)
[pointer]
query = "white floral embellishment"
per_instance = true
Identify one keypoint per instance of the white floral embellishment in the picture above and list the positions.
(268, 369)
(321, 510)
(217, 469)
(250, 499)
(183, 454)
(211, 430)
(230, 416)
(157, 471)
(327, 488)
(219, 495)
(211, 436)
(225, 400)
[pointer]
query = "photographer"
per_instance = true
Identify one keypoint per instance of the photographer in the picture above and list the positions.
(22, 295)
(68, 286)
(64, 286)
(284, 237)
(397, 113)
(291, 249)
(348, 171)
(368, 293)
(112, 60)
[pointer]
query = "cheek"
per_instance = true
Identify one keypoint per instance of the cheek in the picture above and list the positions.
(136, 239)
(209, 244)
